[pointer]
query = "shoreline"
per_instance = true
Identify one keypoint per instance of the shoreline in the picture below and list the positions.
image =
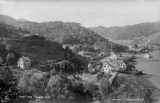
(151, 69)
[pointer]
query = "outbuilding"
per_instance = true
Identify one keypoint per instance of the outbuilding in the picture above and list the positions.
(113, 56)
(147, 55)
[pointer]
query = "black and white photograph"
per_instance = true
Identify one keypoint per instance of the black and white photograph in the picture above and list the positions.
(79, 51)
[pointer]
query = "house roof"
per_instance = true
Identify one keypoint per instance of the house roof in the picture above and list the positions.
(26, 58)
(147, 54)
(112, 53)
(112, 66)
(88, 53)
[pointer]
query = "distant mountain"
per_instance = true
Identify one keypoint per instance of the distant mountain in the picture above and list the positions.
(21, 19)
(98, 29)
(129, 31)
(65, 33)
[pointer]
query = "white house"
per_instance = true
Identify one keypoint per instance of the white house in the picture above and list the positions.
(24, 62)
(118, 65)
(113, 56)
(122, 65)
(89, 65)
(147, 55)
(81, 52)
(106, 68)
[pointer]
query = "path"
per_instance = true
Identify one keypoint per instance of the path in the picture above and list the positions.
(113, 77)
(35, 58)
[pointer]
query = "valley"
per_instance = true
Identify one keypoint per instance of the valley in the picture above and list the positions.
(67, 62)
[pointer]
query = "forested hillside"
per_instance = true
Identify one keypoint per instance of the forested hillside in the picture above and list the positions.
(66, 33)
(129, 32)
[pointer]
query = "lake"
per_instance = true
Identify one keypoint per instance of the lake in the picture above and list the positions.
(152, 68)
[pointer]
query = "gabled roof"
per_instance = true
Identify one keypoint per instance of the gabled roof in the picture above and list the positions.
(25, 58)
(147, 54)
(106, 63)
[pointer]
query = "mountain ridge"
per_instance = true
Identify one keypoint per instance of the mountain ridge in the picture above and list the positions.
(128, 31)
(62, 32)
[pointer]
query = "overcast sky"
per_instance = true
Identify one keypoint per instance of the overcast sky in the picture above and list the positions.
(89, 13)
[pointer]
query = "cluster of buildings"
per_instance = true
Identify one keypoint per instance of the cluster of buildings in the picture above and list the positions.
(108, 63)
(111, 62)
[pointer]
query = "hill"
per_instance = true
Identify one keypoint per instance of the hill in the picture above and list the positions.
(98, 29)
(36, 48)
(154, 38)
(9, 31)
(128, 32)
(62, 32)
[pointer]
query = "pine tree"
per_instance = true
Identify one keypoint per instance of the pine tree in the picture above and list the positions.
(1, 60)
(8, 58)
(8, 47)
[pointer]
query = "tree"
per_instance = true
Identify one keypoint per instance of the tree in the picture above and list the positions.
(8, 83)
(9, 58)
(1, 60)
(135, 45)
(8, 47)
(13, 57)
(4, 43)
(58, 86)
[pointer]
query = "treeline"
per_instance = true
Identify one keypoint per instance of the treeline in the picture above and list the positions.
(129, 32)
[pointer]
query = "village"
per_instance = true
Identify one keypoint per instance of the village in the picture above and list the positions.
(82, 69)
(97, 65)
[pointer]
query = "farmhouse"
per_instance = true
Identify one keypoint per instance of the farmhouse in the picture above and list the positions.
(113, 56)
(118, 65)
(86, 54)
(106, 68)
(24, 62)
(81, 53)
(122, 65)
(147, 55)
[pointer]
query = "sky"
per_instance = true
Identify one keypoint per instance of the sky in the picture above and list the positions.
(89, 13)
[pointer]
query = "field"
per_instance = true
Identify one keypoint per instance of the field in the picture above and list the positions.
(28, 48)
(39, 51)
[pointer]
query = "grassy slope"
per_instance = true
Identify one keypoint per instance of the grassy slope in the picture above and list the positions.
(24, 47)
